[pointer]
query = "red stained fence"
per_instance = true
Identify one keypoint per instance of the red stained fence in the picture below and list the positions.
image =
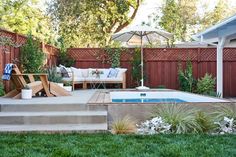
(9, 54)
(161, 65)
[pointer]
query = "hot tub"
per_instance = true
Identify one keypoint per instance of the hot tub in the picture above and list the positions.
(160, 96)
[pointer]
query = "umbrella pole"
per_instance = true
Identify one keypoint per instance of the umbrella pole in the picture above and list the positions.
(142, 84)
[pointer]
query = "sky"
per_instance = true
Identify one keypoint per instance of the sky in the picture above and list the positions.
(151, 6)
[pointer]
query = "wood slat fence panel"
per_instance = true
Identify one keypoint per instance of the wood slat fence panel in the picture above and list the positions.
(14, 53)
(161, 64)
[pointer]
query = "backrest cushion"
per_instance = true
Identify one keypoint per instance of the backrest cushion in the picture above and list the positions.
(121, 72)
(105, 73)
(85, 73)
(64, 72)
(77, 72)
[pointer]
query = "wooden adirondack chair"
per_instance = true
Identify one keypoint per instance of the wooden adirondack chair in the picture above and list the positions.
(50, 88)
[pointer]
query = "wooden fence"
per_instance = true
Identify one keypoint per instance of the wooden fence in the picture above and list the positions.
(161, 64)
(9, 54)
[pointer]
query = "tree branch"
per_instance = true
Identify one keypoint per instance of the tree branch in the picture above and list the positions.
(131, 18)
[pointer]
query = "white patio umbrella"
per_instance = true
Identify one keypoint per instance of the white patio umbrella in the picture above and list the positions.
(143, 34)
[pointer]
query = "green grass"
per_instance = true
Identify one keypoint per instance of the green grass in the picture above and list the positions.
(102, 145)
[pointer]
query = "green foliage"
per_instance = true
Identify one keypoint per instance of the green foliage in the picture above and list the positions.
(136, 68)
(7, 41)
(31, 56)
(63, 57)
(222, 10)
(22, 16)
(68, 83)
(214, 94)
(53, 76)
(161, 87)
(114, 56)
(225, 111)
(206, 85)
(178, 17)
(205, 121)
(91, 23)
(187, 81)
(181, 117)
(2, 91)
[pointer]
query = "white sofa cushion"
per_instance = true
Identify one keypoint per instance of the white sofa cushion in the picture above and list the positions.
(76, 79)
(121, 72)
(81, 75)
(76, 72)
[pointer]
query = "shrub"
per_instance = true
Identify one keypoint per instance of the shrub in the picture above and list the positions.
(186, 80)
(2, 92)
(124, 125)
(161, 87)
(226, 126)
(136, 68)
(206, 85)
(31, 56)
(53, 76)
(225, 111)
(154, 126)
(205, 121)
(63, 57)
(179, 116)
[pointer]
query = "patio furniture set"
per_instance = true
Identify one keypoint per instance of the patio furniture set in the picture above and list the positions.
(93, 76)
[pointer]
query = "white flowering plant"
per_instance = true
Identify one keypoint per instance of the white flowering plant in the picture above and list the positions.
(154, 126)
(226, 126)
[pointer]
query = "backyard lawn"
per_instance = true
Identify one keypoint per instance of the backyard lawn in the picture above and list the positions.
(66, 145)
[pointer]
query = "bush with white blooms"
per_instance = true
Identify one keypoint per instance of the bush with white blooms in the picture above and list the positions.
(154, 126)
(226, 126)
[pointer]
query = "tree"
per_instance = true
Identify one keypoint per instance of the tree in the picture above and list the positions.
(178, 16)
(89, 23)
(22, 16)
(221, 11)
(31, 56)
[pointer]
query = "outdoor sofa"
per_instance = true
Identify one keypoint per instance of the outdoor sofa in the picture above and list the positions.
(93, 76)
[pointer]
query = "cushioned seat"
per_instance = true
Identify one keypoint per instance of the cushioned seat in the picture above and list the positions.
(91, 75)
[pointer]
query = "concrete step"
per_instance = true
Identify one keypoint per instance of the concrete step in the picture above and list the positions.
(90, 128)
(50, 107)
(65, 117)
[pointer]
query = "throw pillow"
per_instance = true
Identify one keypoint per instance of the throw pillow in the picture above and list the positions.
(113, 73)
(64, 72)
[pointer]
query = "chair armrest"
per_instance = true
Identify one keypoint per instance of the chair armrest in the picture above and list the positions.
(25, 74)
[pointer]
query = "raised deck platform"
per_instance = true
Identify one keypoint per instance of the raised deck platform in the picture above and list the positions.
(54, 114)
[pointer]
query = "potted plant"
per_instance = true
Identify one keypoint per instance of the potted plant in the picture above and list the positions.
(68, 86)
(26, 92)
(53, 76)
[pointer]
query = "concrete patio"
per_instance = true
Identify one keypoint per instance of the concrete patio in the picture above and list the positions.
(78, 97)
